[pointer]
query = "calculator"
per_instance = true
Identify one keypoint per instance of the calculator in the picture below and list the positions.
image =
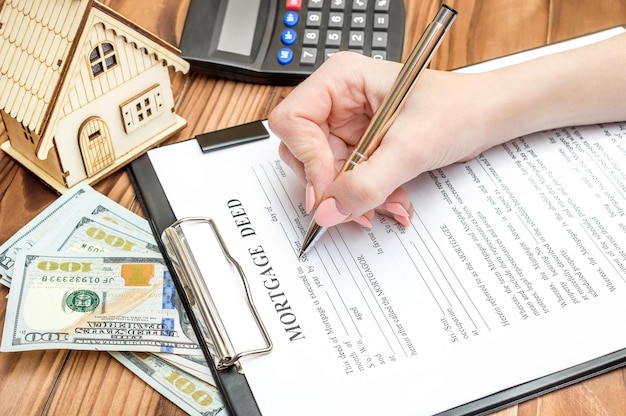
(281, 42)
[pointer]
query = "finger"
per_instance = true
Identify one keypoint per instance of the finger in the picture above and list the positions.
(290, 160)
(398, 205)
(370, 183)
(305, 142)
(325, 115)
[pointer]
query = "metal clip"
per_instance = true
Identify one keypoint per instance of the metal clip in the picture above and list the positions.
(212, 327)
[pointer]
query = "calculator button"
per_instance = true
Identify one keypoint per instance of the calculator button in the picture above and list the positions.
(360, 5)
(311, 37)
(337, 4)
(379, 40)
(329, 52)
(333, 38)
(293, 4)
(315, 4)
(381, 5)
(379, 55)
(309, 56)
(358, 21)
(291, 19)
(359, 51)
(285, 56)
(335, 19)
(314, 19)
(288, 37)
(357, 39)
(381, 21)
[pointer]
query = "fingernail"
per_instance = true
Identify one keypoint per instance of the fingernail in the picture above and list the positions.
(399, 213)
(309, 201)
(330, 213)
(396, 208)
(362, 220)
(403, 220)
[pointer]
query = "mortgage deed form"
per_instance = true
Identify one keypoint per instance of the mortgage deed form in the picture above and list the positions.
(514, 267)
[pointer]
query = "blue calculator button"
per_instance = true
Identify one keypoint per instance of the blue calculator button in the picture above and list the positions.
(285, 56)
(291, 19)
(288, 37)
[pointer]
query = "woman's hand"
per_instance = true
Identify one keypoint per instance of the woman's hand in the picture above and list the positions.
(324, 117)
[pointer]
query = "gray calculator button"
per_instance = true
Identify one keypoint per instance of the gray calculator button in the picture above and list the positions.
(308, 57)
(379, 55)
(313, 19)
(358, 21)
(315, 4)
(337, 4)
(335, 19)
(381, 21)
(311, 37)
(360, 5)
(330, 52)
(357, 39)
(333, 38)
(381, 5)
(379, 40)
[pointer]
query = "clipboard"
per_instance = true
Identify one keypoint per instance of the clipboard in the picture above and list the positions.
(212, 335)
(223, 360)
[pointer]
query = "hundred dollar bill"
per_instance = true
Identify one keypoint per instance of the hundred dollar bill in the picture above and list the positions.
(81, 200)
(95, 236)
(191, 394)
(124, 219)
(193, 364)
(32, 232)
(95, 302)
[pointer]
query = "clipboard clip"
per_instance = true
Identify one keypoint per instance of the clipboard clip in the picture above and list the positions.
(211, 326)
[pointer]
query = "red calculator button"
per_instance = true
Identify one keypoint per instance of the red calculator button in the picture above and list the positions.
(293, 4)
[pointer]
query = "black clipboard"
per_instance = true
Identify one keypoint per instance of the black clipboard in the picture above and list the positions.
(232, 384)
(165, 226)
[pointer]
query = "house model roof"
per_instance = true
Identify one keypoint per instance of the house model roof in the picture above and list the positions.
(38, 41)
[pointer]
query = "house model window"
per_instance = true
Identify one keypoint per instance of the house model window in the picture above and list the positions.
(101, 58)
(140, 109)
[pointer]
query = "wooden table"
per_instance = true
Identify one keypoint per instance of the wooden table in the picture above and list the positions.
(80, 382)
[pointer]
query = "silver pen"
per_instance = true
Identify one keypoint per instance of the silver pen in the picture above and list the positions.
(386, 113)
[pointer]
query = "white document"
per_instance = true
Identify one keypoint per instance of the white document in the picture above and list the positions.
(514, 267)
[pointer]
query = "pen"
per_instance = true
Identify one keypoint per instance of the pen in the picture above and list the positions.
(385, 114)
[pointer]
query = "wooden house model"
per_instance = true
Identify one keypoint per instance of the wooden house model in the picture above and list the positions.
(83, 90)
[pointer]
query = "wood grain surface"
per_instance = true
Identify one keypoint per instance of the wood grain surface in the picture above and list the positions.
(63, 382)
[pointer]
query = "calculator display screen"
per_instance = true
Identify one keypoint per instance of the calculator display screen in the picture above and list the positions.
(238, 26)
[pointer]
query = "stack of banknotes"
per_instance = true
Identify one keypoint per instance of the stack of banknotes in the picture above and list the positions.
(87, 274)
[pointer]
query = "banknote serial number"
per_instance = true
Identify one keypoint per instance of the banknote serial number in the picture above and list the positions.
(76, 279)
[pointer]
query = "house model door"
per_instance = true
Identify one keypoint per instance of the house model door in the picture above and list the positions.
(96, 146)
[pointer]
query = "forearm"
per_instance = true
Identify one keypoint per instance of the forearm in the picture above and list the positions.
(583, 86)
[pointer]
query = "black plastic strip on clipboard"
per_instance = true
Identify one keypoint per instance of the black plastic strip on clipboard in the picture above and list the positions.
(232, 136)
(232, 385)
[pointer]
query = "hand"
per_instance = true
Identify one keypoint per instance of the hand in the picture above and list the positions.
(322, 119)
(447, 117)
